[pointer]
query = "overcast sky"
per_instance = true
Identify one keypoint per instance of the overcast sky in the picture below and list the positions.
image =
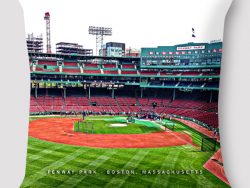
(147, 23)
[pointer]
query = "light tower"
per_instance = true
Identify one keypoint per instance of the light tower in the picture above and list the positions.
(99, 32)
(47, 19)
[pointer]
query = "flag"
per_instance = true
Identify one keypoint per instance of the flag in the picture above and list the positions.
(193, 33)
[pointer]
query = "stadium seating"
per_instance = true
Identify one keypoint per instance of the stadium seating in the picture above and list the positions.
(165, 102)
(41, 69)
(134, 109)
(159, 110)
(33, 105)
(146, 72)
(70, 64)
(210, 107)
(116, 109)
(170, 83)
(197, 84)
(187, 104)
(58, 101)
(155, 100)
(169, 73)
(211, 73)
(48, 101)
(71, 101)
(57, 108)
(97, 109)
(92, 71)
(83, 101)
(184, 84)
(125, 109)
(143, 101)
(128, 72)
(107, 101)
(110, 71)
(49, 63)
(68, 108)
(190, 73)
(199, 110)
(156, 83)
(71, 70)
(109, 65)
(212, 85)
(126, 101)
(128, 66)
(91, 65)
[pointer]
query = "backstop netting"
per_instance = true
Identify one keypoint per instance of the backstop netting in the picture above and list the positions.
(84, 127)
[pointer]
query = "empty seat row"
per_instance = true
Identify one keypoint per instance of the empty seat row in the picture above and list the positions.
(199, 110)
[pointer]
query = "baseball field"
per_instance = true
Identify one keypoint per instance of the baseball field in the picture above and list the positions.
(110, 152)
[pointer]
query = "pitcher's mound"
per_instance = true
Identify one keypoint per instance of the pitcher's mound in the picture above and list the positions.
(118, 125)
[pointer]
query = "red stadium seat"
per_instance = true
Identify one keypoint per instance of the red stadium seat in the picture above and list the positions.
(50, 63)
(199, 110)
(128, 72)
(92, 71)
(128, 66)
(69, 70)
(91, 65)
(71, 64)
(109, 65)
(110, 72)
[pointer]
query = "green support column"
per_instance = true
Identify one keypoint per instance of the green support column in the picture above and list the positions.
(113, 92)
(141, 92)
(89, 92)
(211, 97)
(64, 93)
(36, 92)
(174, 95)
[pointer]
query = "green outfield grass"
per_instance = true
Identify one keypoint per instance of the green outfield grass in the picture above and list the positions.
(43, 156)
(103, 126)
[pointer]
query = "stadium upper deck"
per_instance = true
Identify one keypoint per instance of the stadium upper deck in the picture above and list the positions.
(186, 66)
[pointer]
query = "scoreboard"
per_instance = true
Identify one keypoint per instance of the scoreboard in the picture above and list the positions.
(183, 54)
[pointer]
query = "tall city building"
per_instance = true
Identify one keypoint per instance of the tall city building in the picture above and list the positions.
(34, 43)
(113, 49)
(72, 48)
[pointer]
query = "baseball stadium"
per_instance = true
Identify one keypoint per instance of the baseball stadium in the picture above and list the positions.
(124, 117)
